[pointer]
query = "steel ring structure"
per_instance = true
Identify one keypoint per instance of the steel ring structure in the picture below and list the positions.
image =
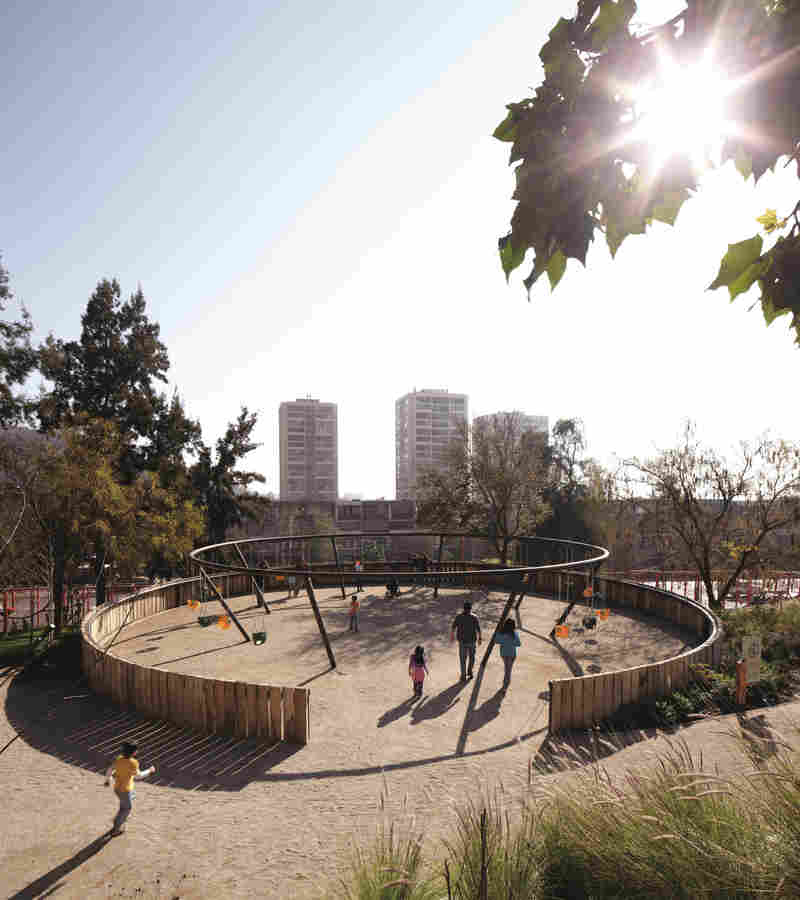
(332, 559)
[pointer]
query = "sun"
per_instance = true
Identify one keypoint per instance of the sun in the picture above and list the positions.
(683, 112)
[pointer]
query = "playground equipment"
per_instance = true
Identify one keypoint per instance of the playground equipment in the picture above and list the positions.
(345, 562)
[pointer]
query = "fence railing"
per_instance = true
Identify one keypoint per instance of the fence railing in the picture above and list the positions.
(211, 705)
(588, 699)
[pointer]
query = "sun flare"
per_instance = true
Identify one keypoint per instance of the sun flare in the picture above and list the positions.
(684, 113)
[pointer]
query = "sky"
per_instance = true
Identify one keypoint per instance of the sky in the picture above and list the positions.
(310, 197)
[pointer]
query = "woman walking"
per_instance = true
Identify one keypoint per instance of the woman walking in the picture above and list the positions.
(508, 641)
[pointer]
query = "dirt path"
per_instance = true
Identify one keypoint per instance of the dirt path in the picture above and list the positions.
(235, 819)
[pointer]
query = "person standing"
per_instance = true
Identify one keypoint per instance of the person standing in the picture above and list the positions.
(354, 607)
(507, 640)
(359, 569)
(467, 629)
(125, 770)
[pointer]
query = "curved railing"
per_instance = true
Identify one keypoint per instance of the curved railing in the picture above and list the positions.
(282, 713)
(586, 700)
(211, 705)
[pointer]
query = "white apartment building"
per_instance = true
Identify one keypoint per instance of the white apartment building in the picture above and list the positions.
(309, 450)
(425, 424)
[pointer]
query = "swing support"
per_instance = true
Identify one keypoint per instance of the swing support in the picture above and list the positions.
(227, 608)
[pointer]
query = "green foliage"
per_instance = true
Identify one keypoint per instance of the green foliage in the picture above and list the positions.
(218, 485)
(111, 373)
(390, 870)
(17, 359)
(582, 167)
(675, 831)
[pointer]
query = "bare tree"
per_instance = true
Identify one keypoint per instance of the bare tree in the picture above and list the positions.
(494, 483)
(723, 514)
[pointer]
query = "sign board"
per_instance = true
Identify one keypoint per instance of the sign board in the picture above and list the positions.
(751, 651)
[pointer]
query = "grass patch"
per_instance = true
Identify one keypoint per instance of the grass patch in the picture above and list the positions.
(674, 831)
(63, 655)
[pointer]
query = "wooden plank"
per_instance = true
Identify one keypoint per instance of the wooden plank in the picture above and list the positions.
(219, 706)
(242, 709)
(583, 702)
(230, 707)
(289, 724)
(556, 717)
(262, 711)
(275, 713)
(616, 694)
(575, 706)
(302, 715)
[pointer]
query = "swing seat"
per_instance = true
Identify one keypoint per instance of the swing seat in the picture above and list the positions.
(259, 638)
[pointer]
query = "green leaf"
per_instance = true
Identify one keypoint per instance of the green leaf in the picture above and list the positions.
(565, 71)
(611, 18)
(510, 258)
(745, 281)
(769, 310)
(559, 39)
(507, 129)
(556, 267)
(618, 230)
(668, 207)
(743, 163)
(736, 260)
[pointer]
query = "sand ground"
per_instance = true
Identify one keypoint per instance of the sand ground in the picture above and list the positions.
(226, 818)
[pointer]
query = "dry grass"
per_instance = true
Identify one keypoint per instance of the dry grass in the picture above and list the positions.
(675, 830)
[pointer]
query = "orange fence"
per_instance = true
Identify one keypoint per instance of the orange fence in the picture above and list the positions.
(211, 705)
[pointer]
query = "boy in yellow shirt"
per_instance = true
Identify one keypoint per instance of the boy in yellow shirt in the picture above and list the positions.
(125, 770)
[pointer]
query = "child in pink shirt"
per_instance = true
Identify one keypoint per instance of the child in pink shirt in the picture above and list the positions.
(417, 670)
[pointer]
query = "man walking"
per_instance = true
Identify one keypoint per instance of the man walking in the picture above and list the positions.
(468, 629)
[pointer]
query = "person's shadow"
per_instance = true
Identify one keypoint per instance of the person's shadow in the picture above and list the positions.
(396, 712)
(50, 882)
(435, 706)
(490, 709)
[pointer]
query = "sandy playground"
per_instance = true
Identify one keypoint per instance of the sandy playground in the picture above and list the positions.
(227, 818)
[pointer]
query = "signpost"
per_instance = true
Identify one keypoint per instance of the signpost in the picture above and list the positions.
(751, 652)
(748, 668)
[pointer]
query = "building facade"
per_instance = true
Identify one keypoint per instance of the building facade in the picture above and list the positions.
(426, 422)
(309, 451)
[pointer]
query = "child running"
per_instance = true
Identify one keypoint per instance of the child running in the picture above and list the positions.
(125, 770)
(417, 669)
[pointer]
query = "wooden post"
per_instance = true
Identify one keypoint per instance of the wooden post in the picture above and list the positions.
(259, 593)
(741, 682)
(320, 623)
(336, 558)
(438, 566)
(227, 608)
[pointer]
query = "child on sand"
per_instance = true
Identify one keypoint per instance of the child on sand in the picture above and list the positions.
(125, 770)
(417, 669)
(354, 607)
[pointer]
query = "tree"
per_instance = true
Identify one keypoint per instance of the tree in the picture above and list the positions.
(111, 373)
(75, 502)
(219, 486)
(585, 167)
(722, 514)
(494, 483)
(17, 357)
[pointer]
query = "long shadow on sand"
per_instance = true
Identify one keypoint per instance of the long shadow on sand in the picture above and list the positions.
(49, 883)
(87, 731)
